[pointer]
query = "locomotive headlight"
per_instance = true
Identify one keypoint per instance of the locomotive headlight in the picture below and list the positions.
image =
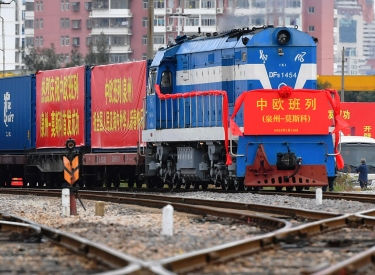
(283, 37)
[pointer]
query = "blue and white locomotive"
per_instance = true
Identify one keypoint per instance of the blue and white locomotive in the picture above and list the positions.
(184, 131)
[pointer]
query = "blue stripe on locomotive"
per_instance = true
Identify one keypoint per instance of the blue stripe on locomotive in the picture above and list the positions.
(313, 150)
(17, 130)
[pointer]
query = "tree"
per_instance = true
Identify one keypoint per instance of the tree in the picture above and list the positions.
(76, 59)
(42, 59)
(99, 52)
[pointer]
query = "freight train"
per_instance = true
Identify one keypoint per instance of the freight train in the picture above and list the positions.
(237, 109)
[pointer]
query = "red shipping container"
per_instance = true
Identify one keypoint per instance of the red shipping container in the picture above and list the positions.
(60, 97)
(117, 93)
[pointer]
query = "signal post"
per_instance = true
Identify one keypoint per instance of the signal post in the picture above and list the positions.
(71, 173)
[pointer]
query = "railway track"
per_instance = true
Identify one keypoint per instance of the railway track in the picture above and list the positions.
(346, 241)
(38, 249)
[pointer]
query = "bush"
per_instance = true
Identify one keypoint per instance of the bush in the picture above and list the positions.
(343, 182)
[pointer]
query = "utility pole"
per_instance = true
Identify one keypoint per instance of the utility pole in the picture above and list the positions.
(342, 74)
(150, 33)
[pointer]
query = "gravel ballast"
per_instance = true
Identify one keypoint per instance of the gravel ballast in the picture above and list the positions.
(137, 230)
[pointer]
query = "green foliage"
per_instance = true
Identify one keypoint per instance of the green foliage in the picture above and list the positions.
(76, 59)
(42, 59)
(343, 182)
(322, 86)
(359, 97)
(98, 52)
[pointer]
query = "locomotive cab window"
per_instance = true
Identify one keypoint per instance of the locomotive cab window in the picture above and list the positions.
(151, 82)
(166, 82)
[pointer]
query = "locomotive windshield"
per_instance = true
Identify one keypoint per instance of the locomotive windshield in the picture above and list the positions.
(166, 82)
(151, 82)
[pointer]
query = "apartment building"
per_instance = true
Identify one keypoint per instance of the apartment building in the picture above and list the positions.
(12, 39)
(73, 24)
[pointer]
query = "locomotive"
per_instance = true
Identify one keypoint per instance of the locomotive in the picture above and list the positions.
(195, 85)
(237, 109)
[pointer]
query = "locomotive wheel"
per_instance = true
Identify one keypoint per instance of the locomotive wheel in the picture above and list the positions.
(278, 189)
(176, 183)
(299, 188)
(150, 183)
(289, 188)
(32, 183)
(204, 185)
(130, 182)
(227, 184)
(185, 185)
(107, 183)
(238, 185)
(159, 183)
(195, 184)
(116, 181)
(139, 184)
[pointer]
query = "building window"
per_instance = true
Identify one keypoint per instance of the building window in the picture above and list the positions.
(64, 5)
(208, 21)
(119, 4)
(66, 40)
(144, 56)
(88, 6)
(39, 41)
(41, 6)
(76, 24)
(208, 4)
(29, 41)
(88, 40)
(145, 4)
(75, 6)
(75, 41)
(37, 6)
(62, 40)
(144, 39)
(29, 6)
(66, 58)
(311, 28)
(29, 24)
(89, 23)
(243, 4)
(119, 22)
(159, 4)
(144, 22)
(64, 23)
(158, 39)
(159, 20)
(40, 23)
(192, 21)
(118, 58)
(311, 9)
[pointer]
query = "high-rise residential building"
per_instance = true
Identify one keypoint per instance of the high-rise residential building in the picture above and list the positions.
(12, 34)
(64, 24)
(355, 29)
(73, 24)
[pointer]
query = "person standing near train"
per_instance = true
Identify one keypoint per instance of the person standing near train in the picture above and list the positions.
(363, 171)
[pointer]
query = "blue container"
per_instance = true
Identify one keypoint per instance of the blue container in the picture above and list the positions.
(17, 129)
